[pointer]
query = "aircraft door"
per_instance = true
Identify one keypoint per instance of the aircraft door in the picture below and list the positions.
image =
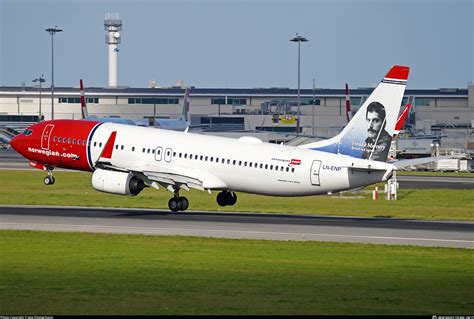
(315, 173)
(159, 153)
(46, 136)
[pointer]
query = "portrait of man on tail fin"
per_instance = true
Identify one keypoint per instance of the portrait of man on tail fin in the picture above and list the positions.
(377, 143)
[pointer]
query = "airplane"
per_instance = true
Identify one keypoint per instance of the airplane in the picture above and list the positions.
(125, 159)
(180, 124)
(86, 116)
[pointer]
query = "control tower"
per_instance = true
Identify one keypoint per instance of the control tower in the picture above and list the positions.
(113, 24)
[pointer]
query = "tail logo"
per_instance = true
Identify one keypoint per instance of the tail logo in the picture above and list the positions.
(377, 143)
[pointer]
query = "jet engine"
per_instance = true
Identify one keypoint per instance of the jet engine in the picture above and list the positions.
(114, 182)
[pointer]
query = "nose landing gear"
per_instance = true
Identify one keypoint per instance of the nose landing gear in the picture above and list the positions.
(49, 180)
(226, 198)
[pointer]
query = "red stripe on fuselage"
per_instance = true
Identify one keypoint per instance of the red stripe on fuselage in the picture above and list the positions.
(65, 154)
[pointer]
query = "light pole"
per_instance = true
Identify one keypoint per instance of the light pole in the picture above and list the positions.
(52, 31)
(298, 39)
(40, 80)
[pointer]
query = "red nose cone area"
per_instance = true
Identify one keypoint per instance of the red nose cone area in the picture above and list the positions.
(15, 143)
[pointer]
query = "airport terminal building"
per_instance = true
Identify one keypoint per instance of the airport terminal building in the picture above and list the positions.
(268, 112)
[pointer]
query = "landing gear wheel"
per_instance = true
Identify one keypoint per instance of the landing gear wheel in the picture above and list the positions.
(232, 199)
(49, 180)
(183, 203)
(222, 199)
(225, 198)
(174, 205)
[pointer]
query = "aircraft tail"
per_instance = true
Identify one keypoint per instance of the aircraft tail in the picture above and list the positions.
(348, 104)
(403, 117)
(185, 109)
(84, 112)
(369, 133)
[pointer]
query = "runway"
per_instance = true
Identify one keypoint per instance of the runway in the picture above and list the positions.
(240, 225)
(10, 159)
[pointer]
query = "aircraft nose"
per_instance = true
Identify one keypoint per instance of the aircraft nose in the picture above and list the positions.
(15, 142)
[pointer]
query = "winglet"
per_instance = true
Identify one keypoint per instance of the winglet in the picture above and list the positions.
(84, 112)
(109, 147)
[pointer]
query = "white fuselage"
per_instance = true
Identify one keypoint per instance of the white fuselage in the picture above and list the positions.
(245, 164)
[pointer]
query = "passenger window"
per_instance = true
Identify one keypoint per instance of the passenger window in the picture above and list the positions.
(148, 151)
(116, 147)
(212, 158)
(292, 169)
(174, 154)
(143, 150)
(271, 167)
(240, 163)
(153, 151)
(233, 162)
(223, 161)
(121, 147)
(261, 165)
(266, 166)
(200, 157)
(100, 144)
(133, 148)
(287, 169)
(54, 138)
(95, 144)
(69, 140)
(206, 158)
(228, 161)
(180, 155)
(245, 163)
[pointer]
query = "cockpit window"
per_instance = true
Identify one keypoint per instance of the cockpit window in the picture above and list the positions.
(27, 132)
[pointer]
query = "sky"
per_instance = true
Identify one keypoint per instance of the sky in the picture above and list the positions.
(240, 43)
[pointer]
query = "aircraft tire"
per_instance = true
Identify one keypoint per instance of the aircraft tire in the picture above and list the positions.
(222, 199)
(48, 180)
(174, 205)
(231, 198)
(183, 203)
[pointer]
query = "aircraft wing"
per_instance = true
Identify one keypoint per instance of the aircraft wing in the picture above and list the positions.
(167, 177)
(153, 174)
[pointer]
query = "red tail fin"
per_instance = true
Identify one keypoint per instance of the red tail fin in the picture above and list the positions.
(83, 103)
(348, 104)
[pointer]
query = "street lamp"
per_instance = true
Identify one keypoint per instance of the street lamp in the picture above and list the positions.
(40, 80)
(298, 39)
(52, 31)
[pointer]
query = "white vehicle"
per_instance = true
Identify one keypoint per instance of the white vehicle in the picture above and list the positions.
(124, 159)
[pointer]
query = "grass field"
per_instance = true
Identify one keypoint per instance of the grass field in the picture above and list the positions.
(72, 273)
(73, 188)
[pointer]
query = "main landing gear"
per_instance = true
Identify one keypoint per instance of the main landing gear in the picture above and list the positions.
(49, 180)
(178, 203)
(225, 198)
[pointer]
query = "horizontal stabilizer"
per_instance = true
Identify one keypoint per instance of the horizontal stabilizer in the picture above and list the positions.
(418, 161)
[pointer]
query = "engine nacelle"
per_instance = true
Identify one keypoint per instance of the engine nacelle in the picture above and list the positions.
(117, 182)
